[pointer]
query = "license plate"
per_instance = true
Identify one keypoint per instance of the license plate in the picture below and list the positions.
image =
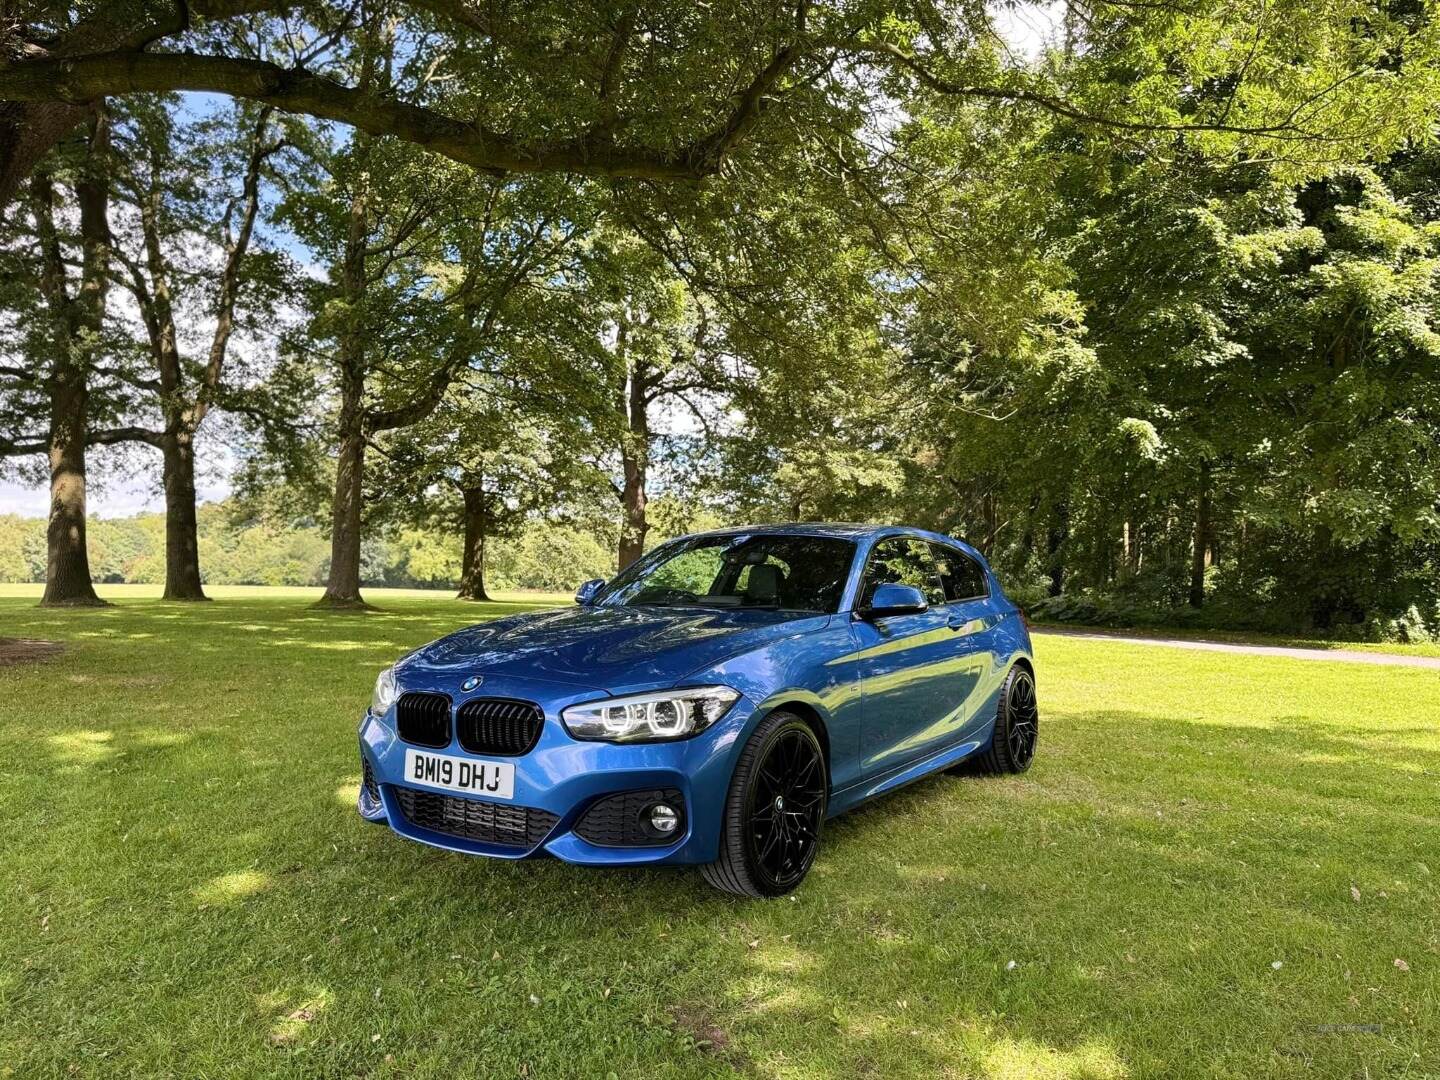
(493, 779)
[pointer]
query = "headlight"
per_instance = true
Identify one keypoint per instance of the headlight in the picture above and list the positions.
(657, 717)
(385, 692)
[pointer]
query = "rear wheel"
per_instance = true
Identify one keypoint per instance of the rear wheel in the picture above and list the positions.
(773, 811)
(1017, 726)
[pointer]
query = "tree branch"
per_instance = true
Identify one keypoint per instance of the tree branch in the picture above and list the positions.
(111, 436)
(23, 446)
(1285, 128)
(230, 275)
(83, 79)
(712, 150)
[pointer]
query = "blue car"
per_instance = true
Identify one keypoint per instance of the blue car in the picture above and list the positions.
(713, 704)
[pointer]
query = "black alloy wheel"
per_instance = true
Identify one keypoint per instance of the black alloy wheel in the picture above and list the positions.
(1017, 727)
(774, 811)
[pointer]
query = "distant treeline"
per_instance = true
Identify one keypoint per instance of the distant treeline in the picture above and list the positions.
(542, 555)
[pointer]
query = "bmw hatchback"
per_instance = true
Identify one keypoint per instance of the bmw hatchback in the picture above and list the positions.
(714, 704)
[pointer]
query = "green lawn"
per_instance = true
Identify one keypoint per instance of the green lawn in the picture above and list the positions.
(1248, 637)
(186, 889)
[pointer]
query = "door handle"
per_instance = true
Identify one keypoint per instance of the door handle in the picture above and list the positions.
(963, 625)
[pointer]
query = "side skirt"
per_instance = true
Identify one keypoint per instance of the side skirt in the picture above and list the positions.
(874, 786)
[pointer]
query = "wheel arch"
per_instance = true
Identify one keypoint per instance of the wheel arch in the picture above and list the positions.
(811, 715)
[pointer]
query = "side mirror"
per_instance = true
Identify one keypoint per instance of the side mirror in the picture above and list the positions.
(893, 599)
(585, 594)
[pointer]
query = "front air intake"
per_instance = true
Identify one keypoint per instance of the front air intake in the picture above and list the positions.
(485, 823)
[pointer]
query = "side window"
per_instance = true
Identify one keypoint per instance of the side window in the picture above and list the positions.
(961, 575)
(901, 561)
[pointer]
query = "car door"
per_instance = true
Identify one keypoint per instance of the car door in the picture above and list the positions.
(907, 662)
(970, 615)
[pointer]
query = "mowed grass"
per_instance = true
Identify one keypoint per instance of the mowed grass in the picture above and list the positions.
(1247, 637)
(185, 888)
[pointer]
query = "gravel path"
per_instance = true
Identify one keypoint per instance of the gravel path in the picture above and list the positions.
(1355, 656)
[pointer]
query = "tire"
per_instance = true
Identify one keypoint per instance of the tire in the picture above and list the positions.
(777, 796)
(1017, 727)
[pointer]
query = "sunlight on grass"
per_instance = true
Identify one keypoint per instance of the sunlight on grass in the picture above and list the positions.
(782, 959)
(329, 646)
(348, 792)
(83, 747)
(293, 1024)
(229, 888)
(1011, 1059)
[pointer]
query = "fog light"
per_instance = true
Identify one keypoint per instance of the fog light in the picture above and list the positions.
(664, 819)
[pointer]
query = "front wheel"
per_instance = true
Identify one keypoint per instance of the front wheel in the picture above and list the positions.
(1017, 726)
(773, 811)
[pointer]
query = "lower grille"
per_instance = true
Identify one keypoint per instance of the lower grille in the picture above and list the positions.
(423, 719)
(368, 779)
(498, 726)
(618, 820)
(487, 823)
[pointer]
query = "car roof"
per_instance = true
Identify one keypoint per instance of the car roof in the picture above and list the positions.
(847, 530)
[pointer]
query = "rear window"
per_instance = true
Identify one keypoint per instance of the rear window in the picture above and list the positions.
(960, 575)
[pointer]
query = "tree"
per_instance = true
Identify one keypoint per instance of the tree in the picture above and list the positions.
(185, 247)
(487, 459)
(603, 89)
(642, 364)
(55, 338)
(426, 264)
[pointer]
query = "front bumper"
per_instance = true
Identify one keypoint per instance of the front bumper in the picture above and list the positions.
(556, 784)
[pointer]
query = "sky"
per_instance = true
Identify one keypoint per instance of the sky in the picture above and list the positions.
(134, 487)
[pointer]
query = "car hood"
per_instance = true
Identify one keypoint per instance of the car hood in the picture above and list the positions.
(608, 648)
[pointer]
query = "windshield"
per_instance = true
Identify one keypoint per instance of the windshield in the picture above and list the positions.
(799, 573)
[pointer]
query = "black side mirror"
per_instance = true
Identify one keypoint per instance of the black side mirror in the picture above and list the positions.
(892, 599)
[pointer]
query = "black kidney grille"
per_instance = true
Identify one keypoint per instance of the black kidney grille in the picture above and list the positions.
(487, 823)
(498, 726)
(618, 821)
(423, 718)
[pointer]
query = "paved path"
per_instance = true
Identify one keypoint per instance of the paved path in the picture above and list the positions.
(1356, 656)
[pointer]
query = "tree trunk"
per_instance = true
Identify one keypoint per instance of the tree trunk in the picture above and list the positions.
(78, 323)
(182, 543)
(991, 512)
(342, 590)
(1202, 539)
(635, 460)
(472, 577)
(343, 587)
(67, 564)
(1055, 538)
(633, 525)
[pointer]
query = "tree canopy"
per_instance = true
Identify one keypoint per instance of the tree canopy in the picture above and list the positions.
(1146, 310)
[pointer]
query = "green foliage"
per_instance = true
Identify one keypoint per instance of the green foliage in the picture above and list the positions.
(1271, 345)
(1150, 317)
(543, 554)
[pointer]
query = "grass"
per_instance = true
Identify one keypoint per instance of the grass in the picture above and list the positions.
(1250, 637)
(377, 597)
(186, 890)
